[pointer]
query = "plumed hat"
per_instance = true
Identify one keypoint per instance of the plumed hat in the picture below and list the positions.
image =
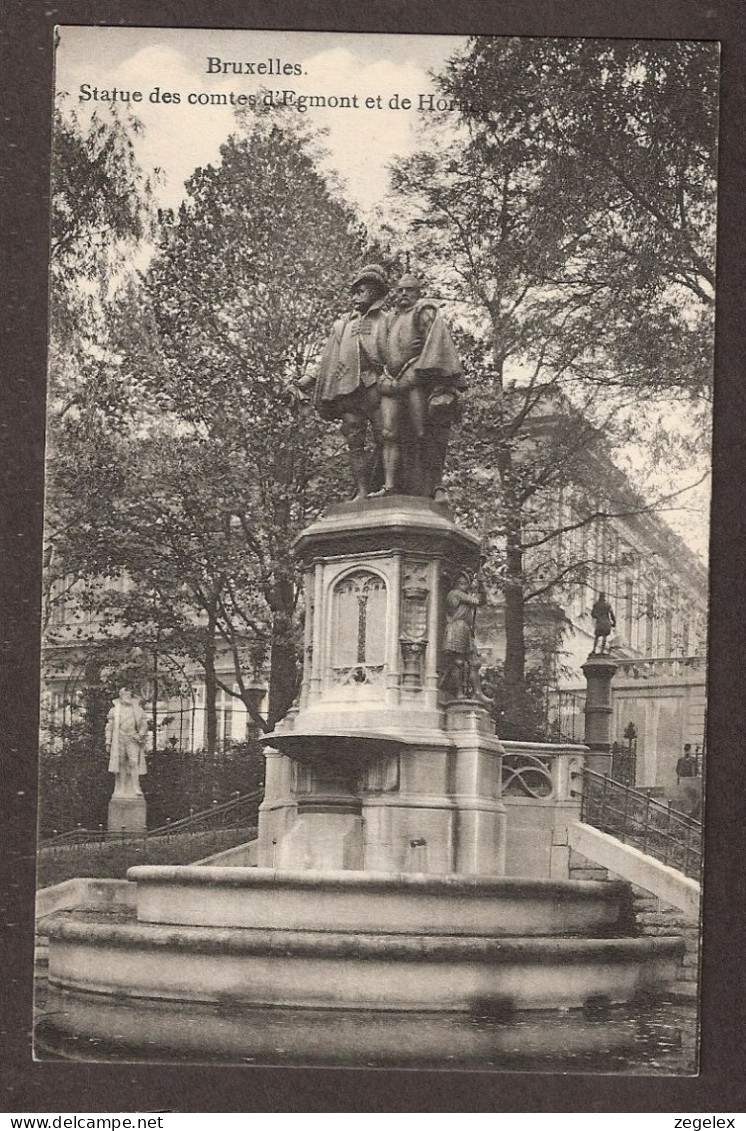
(371, 273)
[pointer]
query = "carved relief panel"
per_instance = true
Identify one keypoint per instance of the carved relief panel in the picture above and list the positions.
(358, 653)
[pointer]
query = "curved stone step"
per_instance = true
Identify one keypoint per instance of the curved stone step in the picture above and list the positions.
(115, 954)
(402, 904)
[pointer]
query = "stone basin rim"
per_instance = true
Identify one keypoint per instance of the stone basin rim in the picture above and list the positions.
(410, 883)
(97, 929)
(378, 742)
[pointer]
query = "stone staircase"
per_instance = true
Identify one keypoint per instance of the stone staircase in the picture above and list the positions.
(653, 918)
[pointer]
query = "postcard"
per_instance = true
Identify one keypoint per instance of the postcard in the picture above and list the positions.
(375, 602)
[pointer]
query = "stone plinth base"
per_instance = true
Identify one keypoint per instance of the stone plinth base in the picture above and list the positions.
(126, 815)
(599, 761)
(599, 670)
(420, 801)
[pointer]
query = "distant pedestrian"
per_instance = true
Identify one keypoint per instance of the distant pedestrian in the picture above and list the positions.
(686, 767)
(688, 787)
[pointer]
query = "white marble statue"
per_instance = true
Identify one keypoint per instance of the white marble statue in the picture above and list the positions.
(126, 728)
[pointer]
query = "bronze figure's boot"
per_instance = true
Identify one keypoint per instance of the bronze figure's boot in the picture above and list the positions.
(358, 463)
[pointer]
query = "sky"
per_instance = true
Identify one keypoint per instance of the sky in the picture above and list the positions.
(181, 135)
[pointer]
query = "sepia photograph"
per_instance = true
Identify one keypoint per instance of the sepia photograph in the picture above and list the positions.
(373, 714)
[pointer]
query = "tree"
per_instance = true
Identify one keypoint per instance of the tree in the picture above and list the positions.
(562, 322)
(100, 214)
(193, 586)
(630, 128)
(101, 211)
(236, 305)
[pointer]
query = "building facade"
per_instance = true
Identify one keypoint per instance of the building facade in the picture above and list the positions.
(658, 589)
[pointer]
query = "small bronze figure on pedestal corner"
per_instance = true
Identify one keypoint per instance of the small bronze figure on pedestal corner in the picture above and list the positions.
(604, 621)
(460, 676)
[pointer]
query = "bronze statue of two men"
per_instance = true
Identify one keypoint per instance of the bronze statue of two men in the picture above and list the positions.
(395, 372)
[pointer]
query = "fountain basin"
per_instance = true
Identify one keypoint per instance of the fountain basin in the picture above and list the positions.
(321, 969)
(92, 1027)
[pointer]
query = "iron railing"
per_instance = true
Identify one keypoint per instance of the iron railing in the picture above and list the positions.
(636, 818)
(238, 814)
(624, 762)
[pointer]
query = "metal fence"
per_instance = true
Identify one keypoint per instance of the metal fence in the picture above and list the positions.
(635, 818)
(238, 815)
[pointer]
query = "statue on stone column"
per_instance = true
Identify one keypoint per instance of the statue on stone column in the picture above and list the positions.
(420, 394)
(460, 676)
(346, 385)
(126, 728)
(604, 620)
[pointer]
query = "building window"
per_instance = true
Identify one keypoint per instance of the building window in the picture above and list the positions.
(60, 710)
(198, 718)
(224, 708)
(685, 634)
(584, 603)
(649, 622)
(60, 596)
(629, 608)
(668, 628)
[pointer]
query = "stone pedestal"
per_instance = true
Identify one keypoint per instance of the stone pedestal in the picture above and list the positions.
(374, 769)
(126, 815)
(599, 670)
(327, 832)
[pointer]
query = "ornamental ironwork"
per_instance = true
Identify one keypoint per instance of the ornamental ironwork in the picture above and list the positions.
(525, 775)
(636, 818)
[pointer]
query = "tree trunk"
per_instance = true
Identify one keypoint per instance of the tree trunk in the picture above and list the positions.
(283, 662)
(514, 708)
(515, 624)
(515, 642)
(154, 703)
(211, 688)
(96, 705)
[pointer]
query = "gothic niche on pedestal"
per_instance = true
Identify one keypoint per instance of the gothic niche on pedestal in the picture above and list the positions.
(358, 655)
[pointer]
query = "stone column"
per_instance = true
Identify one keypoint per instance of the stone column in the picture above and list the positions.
(476, 788)
(278, 810)
(327, 835)
(599, 670)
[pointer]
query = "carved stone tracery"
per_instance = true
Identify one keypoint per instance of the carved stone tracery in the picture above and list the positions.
(525, 775)
(358, 649)
(415, 601)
